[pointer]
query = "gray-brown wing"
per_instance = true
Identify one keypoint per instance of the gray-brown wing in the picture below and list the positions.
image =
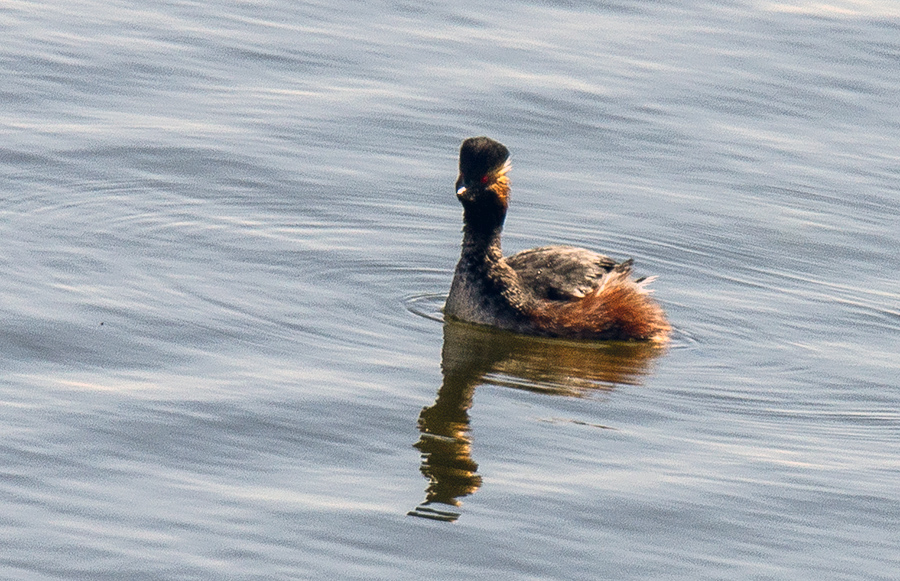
(560, 273)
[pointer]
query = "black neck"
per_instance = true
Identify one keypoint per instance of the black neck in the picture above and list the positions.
(482, 227)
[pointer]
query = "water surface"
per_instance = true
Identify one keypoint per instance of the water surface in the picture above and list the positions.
(228, 230)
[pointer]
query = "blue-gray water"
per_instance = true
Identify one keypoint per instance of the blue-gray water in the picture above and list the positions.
(227, 230)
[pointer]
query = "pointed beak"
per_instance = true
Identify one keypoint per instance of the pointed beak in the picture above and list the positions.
(460, 187)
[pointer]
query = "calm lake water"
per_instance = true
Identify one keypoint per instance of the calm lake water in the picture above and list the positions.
(228, 229)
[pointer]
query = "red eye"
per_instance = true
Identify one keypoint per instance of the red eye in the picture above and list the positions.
(484, 180)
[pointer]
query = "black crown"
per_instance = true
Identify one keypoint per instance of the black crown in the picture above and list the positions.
(478, 156)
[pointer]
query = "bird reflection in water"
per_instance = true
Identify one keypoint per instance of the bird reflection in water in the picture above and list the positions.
(473, 356)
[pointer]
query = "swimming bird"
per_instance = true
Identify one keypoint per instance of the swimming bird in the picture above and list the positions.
(551, 291)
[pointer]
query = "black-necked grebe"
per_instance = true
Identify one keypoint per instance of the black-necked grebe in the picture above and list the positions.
(552, 291)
